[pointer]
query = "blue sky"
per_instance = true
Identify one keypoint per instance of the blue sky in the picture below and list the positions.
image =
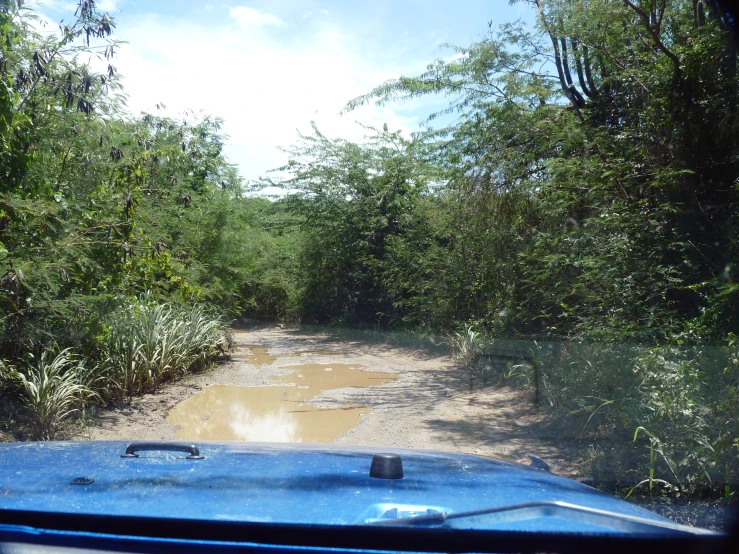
(269, 68)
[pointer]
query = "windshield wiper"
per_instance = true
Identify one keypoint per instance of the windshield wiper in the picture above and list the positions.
(530, 510)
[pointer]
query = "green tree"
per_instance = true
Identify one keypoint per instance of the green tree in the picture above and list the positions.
(357, 204)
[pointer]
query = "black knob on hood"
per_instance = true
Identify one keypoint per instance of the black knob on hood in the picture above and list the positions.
(386, 466)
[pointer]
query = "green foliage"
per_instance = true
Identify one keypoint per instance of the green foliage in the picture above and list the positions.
(98, 208)
(584, 201)
(605, 193)
(355, 204)
(98, 204)
(54, 390)
(150, 343)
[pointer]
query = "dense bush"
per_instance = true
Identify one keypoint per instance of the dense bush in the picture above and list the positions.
(150, 343)
(655, 418)
(585, 198)
(96, 208)
(143, 344)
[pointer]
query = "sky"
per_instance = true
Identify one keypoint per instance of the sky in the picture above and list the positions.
(270, 68)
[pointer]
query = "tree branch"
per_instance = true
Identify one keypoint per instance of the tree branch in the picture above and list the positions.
(571, 92)
(588, 72)
(655, 34)
(578, 65)
(565, 63)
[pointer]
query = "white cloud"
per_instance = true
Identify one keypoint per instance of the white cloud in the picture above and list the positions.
(56, 5)
(106, 5)
(249, 18)
(265, 87)
(71, 5)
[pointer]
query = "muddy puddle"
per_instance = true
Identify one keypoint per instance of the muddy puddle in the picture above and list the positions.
(266, 414)
(259, 355)
(279, 413)
(333, 376)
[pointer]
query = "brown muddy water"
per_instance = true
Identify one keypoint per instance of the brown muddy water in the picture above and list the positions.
(279, 413)
(259, 355)
(333, 376)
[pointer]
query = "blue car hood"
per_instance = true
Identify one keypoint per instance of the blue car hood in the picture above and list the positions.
(300, 484)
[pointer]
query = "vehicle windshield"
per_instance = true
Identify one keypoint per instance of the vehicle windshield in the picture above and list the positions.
(507, 232)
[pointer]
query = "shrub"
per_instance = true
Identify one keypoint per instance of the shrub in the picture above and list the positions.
(664, 414)
(150, 343)
(53, 391)
(466, 345)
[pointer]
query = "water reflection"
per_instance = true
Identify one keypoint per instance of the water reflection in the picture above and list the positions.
(268, 414)
(333, 376)
(280, 413)
(259, 354)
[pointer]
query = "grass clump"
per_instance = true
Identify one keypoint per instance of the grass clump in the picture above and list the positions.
(54, 390)
(143, 344)
(151, 343)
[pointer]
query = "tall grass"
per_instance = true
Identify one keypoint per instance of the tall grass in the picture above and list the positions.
(145, 344)
(151, 343)
(53, 391)
(666, 415)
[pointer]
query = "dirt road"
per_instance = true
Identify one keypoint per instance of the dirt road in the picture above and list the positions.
(432, 404)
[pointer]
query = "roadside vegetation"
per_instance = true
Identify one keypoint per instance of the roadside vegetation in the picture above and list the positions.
(572, 232)
(119, 235)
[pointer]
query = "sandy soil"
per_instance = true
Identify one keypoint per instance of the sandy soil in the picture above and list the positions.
(434, 404)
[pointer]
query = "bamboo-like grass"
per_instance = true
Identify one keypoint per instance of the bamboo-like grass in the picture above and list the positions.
(54, 390)
(146, 344)
(149, 344)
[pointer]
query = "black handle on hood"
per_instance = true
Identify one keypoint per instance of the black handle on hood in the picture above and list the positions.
(191, 449)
